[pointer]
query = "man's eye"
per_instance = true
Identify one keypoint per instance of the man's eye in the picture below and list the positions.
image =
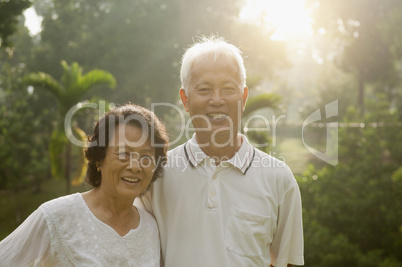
(203, 90)
(229, 90)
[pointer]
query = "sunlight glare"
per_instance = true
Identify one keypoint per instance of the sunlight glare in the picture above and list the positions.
(32, 21)
(288, 19)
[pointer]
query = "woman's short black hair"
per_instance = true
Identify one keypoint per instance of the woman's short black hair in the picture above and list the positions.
(130, 114)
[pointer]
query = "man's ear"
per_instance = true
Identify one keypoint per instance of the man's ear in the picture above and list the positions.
(244, 98)
(183, 98)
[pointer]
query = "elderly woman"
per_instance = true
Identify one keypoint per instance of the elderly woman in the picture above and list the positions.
(100, 227)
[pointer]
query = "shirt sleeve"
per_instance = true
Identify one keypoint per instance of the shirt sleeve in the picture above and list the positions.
(28, 245)
(287, 245)
(144, 202)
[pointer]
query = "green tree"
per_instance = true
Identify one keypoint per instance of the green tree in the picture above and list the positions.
(23, 157)
(10, 11)
(256, 103)
(23, 127)
(357, 28)
(141, 42)
(72, 88)
(265, 100)
(352, 211)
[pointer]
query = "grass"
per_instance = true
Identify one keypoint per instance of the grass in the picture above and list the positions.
(28, 201)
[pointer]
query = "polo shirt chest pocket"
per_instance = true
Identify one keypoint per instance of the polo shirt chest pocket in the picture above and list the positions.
(248, 234)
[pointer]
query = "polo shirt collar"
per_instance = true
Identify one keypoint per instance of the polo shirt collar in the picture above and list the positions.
(241, 160)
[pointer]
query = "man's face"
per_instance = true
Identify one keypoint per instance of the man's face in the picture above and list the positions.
(215, 99)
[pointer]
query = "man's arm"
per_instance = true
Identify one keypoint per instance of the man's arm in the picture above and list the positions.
(287, 245)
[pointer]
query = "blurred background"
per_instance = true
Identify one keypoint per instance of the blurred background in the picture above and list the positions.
(300, 56)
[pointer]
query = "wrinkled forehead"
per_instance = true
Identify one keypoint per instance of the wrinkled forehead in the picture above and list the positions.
(129, 135)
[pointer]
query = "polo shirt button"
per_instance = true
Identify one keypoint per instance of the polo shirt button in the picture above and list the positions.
(213, 194)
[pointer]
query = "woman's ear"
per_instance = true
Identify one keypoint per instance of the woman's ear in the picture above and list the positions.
(98, 165)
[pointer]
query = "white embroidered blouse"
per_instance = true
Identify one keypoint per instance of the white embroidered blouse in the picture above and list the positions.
(64, 232)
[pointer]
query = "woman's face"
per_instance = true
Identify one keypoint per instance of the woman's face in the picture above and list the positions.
(129, 165)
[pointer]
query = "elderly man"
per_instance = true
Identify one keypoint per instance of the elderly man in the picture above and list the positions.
(223, 202)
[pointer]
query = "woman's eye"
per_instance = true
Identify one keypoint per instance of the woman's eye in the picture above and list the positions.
(146, 161)
(124, 155)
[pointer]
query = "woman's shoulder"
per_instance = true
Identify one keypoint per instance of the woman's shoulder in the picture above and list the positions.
(61, 204)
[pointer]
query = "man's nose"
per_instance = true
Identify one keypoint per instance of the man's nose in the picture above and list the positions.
(216, 98)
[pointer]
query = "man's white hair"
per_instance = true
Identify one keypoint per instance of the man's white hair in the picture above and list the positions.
(208, 46)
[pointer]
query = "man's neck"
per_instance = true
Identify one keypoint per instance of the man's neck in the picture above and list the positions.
(220, 148)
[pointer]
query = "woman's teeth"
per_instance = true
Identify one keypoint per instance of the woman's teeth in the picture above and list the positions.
(131, 180)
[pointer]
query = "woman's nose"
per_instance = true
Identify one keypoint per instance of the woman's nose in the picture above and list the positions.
(134, 165)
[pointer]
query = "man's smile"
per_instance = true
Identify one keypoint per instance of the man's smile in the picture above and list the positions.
(217, 116)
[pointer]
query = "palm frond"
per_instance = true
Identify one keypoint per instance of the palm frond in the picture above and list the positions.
(46, 82)
(86, 83)
(96, 77)
(82, 161)
(266, 100)
(56, 147)
(71, 75)
(69, 92)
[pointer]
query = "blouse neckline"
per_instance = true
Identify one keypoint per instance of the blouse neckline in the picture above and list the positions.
(105, 225)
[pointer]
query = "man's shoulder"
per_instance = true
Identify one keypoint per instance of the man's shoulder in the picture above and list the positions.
(271, 166)
(177, 160)
(268, 160)
(177, 150)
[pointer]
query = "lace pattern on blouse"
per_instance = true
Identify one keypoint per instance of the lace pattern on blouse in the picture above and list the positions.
(78, 238)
